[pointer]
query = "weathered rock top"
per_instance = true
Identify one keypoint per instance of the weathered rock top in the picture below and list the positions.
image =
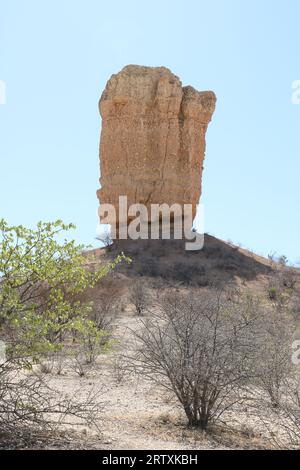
(154, 89)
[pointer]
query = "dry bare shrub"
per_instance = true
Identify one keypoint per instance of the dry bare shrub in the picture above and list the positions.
(289, 412)
(59, 360)
(281, 287)
(78, 364)
(289, 278)
(105, 310)
(119, 369)
(282, 422)
(27, 402)
(200, 347)
(139, 297)
(274, 390)
(54, 362)
(273, 350)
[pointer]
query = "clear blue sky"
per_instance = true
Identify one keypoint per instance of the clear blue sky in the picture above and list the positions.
(55, 58)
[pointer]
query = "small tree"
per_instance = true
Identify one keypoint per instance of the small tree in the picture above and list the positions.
(41, 275)
(40, 280)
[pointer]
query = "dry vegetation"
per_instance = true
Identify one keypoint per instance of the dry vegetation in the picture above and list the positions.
(195, 353)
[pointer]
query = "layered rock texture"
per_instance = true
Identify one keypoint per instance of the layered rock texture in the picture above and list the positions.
(153, 137)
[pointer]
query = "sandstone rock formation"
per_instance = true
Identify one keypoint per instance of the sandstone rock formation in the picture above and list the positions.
(153, 137)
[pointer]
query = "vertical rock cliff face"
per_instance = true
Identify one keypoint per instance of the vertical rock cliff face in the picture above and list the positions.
(153, 138)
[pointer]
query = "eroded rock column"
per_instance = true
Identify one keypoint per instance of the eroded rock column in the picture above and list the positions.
(152, 143)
